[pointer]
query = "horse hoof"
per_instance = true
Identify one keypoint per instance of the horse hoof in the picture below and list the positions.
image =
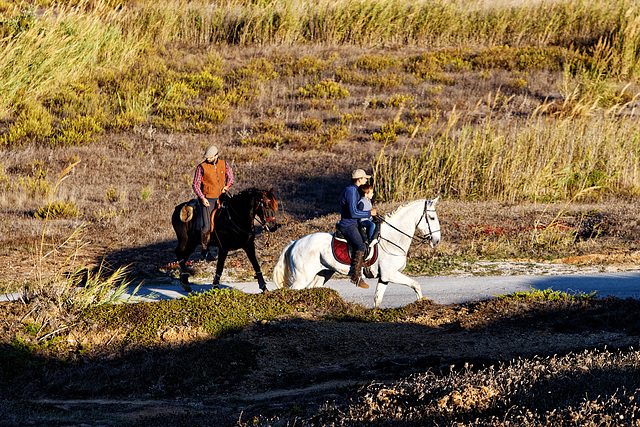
(184, 282)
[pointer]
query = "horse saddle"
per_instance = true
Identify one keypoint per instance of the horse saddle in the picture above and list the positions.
(188, 211)
(219, 208)
(342, 251)
(215, 211)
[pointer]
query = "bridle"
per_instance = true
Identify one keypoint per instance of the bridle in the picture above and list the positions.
(420, 239)
(262, 205)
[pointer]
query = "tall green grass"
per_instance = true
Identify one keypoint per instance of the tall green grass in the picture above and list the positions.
(61, 46)
(44, 51)
(573, 154)
(542, 159)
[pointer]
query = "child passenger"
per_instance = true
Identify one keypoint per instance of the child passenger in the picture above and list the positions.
(366, 194)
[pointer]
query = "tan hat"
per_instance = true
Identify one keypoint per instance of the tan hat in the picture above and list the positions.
(211, 152)
(359, 173)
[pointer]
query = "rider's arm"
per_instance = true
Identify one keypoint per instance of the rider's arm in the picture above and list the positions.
(352, 203)
(228, 176)
(197, 182)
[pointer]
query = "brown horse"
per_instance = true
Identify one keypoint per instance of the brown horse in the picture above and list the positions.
(232, 229)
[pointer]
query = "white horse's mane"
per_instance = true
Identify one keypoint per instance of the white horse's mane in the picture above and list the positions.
(402, 207)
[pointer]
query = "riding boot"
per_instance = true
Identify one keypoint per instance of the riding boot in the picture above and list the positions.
(356, 263)
(205, 239)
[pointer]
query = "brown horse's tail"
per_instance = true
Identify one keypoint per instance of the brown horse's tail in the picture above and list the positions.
(282, 269)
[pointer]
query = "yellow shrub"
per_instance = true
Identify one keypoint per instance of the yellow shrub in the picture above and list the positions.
(58, 210)
(326, 89)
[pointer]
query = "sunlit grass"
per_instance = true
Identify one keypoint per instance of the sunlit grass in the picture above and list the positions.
(548, 295)
(541, 159)
(60, 46)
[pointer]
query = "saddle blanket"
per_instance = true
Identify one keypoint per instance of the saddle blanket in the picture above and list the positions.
(341, 252)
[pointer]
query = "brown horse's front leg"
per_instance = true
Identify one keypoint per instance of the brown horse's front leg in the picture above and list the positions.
(250, 250)
(222, 257)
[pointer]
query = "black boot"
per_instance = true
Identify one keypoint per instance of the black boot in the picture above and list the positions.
(356, 263)
(205, 239)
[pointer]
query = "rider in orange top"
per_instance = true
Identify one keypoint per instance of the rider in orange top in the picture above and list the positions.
(213, 177)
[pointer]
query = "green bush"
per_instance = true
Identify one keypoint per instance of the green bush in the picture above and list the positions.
(78, 131)
(34, 124)
(376, 62)
(388, 133)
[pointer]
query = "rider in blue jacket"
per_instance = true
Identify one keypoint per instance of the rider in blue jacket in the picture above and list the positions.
(348, 225)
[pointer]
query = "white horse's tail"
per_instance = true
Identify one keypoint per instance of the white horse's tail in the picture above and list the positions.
(282, 269)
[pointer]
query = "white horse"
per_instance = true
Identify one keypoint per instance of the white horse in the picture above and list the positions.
(309, 262)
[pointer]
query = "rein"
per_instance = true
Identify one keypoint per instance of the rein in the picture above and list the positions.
(238, 228)
(420, 239)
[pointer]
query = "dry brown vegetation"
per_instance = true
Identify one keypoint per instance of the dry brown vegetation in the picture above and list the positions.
(523, 119)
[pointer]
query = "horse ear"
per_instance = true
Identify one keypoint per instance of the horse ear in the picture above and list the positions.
(435, 200)
(271, 190)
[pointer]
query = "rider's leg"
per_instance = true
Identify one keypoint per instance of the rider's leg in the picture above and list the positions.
(205, 222)
(374, 231)
(371, 232)
(353, 236)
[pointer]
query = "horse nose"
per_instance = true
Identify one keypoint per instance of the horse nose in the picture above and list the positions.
(271, 227)
(435, 239)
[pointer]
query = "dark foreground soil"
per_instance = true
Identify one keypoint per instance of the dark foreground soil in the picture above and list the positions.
(436, 365)
(496, 362)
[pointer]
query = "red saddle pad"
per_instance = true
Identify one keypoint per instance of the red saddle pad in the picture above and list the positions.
(341, 252)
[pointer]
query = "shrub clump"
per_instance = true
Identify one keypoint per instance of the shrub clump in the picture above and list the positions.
(58, 210)
(217, 312)
(326, 89)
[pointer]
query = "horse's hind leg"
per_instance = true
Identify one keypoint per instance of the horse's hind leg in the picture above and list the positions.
(184, 249)
(321, 279)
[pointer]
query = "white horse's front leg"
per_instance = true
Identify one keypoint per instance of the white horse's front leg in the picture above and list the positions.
(401, 279)
(377, 298)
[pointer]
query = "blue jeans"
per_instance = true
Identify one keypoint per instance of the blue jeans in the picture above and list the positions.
(370, 227)
(353, 236)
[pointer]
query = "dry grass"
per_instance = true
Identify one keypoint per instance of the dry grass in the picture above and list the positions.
(128, 179)
(523, 119)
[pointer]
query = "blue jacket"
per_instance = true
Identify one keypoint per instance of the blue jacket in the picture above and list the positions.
(349, 212)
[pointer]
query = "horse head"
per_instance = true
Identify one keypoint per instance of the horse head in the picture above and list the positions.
(429, 225)
(266, 210)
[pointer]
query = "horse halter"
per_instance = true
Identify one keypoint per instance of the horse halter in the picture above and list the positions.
(262, 204)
